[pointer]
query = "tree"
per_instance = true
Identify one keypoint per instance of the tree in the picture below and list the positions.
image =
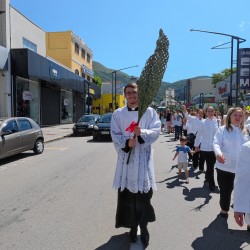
(221, 76)
(97, 80)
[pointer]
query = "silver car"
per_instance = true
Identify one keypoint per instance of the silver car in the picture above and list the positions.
(19, 134)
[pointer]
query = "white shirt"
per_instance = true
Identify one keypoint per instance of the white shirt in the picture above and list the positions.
(228, 143)
(242, 182)
(247, 122)
(193, 123)
(205, 134)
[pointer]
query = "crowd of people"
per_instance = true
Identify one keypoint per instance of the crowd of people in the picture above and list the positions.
(206, 139)
(221, 143)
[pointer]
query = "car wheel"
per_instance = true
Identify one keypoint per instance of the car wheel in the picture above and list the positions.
(39, 147)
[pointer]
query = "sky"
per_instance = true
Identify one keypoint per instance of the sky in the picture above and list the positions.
(123, 34)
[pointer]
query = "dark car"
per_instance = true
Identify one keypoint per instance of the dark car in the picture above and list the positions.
(19, 134)
(102, 128)
(85, 125)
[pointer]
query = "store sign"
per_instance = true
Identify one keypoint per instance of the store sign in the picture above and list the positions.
(54, 76)
(27, 95)
(66, 102)
(222, 90)
(87, 71)
(244, 68)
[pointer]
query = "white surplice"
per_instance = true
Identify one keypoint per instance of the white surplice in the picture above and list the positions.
(138, 174)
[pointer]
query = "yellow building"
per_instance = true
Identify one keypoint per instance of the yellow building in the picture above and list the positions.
(104, 104)
(71, 51)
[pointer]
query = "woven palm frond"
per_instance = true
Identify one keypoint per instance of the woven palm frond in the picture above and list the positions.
(152, 74)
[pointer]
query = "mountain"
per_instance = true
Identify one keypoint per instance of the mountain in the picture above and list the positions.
(106, 75)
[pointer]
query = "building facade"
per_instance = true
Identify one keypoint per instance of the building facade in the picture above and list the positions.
(71, 51)
(32, 84)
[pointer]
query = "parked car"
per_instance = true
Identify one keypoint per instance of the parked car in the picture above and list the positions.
(102, 128)
(85, 125)
(19, 134)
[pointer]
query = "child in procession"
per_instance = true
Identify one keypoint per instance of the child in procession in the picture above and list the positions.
(182, 153)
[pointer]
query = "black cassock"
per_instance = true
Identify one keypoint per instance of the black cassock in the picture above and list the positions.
(134, 209)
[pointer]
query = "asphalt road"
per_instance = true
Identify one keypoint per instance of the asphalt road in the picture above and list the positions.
(63, 199)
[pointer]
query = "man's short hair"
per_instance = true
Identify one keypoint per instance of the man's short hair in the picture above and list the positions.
(130, 85)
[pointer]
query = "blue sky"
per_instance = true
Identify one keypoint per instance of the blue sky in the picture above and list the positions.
(123, 33)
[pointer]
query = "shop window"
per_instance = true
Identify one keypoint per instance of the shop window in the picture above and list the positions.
(77, 72)
(27, 99)
(29, 45)
(83, 53)
(77, 48)
(88, 58)
(83, 75)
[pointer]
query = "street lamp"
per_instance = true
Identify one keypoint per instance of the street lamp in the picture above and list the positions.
(239, 40)
(114, 81)
(201, 100)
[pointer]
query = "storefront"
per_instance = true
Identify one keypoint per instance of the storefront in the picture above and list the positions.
(45, 91)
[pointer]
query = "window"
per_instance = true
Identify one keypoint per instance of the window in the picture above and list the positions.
(88, 58)
(29, 45)
(24, 124)
(83, 53)
(77, 72)
(88, 78)
(83, 75)
(11, 126)
(77, 48)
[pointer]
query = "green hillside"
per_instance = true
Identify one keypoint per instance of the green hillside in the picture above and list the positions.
(106, 76)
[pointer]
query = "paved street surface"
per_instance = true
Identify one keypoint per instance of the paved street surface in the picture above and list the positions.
(63, 200)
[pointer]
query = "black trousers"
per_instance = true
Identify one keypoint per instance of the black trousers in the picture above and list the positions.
(198, 160)
(134, 209)
(226, 184)
(210, 159)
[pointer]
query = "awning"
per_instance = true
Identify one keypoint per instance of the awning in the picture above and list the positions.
(3, 58)
(26, 63)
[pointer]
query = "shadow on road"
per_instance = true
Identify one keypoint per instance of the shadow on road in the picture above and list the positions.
(194, 193)
(120, 242)
(218, 236)
(17, 157)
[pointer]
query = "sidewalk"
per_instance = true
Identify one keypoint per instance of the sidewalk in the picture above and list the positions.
(52, 133)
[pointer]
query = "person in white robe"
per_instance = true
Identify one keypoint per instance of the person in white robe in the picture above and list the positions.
(242, 187)
(134, 180)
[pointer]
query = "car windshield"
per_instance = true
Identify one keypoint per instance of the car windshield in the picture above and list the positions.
(86, 119)
(105, 119)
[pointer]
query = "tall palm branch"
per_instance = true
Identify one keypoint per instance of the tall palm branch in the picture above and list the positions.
(151, 76)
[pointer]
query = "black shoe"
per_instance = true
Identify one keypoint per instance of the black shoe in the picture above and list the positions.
(133, 235)
(144, 236)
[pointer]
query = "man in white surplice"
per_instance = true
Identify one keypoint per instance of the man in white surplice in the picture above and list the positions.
(134, 180)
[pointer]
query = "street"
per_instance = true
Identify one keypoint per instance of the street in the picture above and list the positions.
(63, 199)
